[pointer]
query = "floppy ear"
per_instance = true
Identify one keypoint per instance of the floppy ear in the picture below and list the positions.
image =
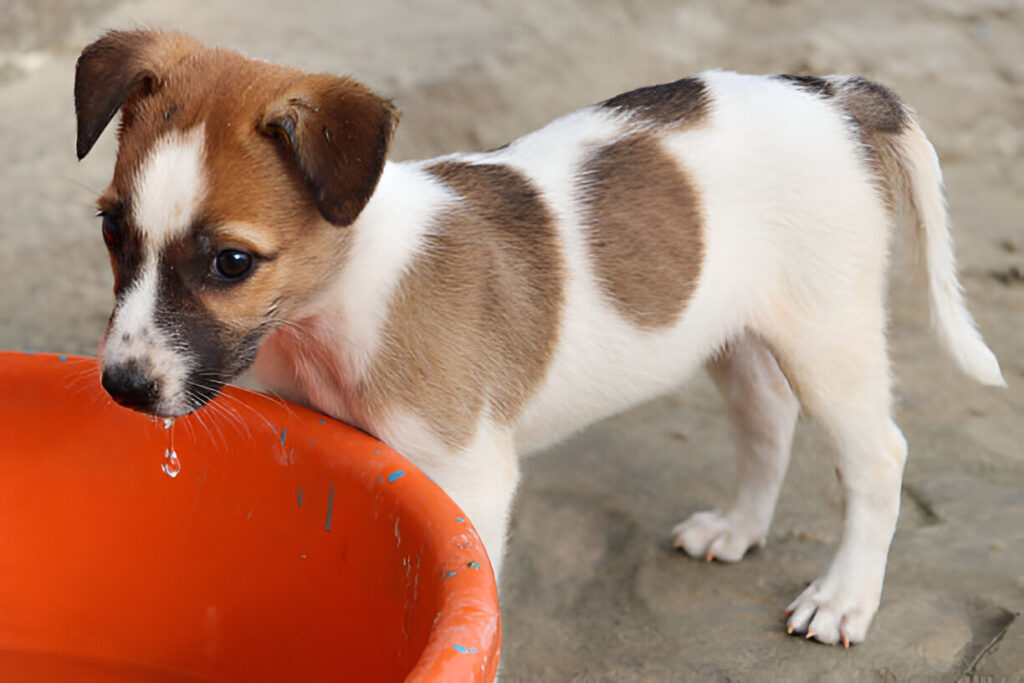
(338, 133)
(117, 66)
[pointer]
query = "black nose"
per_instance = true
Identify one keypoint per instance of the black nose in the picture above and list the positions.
(131, 386)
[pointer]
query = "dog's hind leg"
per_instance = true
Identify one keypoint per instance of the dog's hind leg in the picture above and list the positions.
(763, 411)
(838, 367)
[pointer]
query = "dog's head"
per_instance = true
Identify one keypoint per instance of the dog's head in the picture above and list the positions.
(234, 183)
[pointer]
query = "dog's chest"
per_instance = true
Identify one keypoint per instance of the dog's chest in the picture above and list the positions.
(295, 365)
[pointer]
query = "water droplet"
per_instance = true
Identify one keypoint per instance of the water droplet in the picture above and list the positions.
(171, 465)
(168, 422)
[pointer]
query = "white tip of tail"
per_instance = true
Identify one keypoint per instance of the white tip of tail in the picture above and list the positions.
(978, 361)
(958, 334)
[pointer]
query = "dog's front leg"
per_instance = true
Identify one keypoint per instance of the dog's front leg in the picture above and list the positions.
(481, 478)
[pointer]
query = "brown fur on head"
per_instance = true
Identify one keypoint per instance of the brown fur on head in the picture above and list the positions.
(337, 131)
(285, 158)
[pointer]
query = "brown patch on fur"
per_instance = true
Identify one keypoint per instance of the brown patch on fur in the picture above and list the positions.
(255, 182)
(812, 84)
(681, 102)
(339, 133)
(875, 108)
(474, 323)
(644, 230)
(117, 68)
(880, 117)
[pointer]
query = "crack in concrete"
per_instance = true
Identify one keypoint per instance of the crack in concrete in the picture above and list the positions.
(931, 517)
(990, 646)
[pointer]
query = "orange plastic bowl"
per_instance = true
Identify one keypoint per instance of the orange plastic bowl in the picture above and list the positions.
(287, 547)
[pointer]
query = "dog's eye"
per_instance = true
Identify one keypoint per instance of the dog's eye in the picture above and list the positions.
(232, 264)
(111, 232)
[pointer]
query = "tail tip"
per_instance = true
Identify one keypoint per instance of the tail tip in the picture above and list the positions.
(984, 367)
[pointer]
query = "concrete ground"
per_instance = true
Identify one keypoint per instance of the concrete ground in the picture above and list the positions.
(592, 589)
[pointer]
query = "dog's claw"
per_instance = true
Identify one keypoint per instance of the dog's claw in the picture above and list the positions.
(846, 640)
(787, 614)
(810, 633)
(789, 628)
(710, 556)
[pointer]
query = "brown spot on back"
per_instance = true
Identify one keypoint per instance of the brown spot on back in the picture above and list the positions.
(812, 84)
(679, 102)
(644, 229)
(874, 107)
(474, 323)
(880, 116)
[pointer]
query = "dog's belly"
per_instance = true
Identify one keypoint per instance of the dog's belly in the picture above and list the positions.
(603, 365)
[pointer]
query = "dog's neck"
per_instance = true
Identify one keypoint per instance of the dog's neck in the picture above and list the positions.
(322, 353)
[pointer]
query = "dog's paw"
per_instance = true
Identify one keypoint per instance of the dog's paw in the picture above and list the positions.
(716, 536)
(832, 613)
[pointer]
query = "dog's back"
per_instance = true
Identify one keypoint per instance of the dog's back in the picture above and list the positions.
(689, 212)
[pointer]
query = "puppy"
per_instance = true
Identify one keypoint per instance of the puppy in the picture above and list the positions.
(475, 307)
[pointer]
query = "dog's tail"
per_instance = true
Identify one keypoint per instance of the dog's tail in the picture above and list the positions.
(915, 181)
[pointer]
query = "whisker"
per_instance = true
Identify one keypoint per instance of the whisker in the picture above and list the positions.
(195, 398)
(234, 401)
(216, 409)
(82, 186)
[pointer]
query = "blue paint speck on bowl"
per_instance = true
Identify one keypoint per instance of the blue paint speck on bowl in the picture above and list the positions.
(330, 508)
(397, 474)
(284, 433)
(464, 650)
(62, 359)
(460, 519)
(449, 575)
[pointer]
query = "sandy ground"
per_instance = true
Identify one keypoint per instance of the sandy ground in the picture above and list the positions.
(592, 589)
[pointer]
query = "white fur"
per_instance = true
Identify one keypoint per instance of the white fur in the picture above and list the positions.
(953, 323)
(170, 186)
(134, 336)
(484, 473)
